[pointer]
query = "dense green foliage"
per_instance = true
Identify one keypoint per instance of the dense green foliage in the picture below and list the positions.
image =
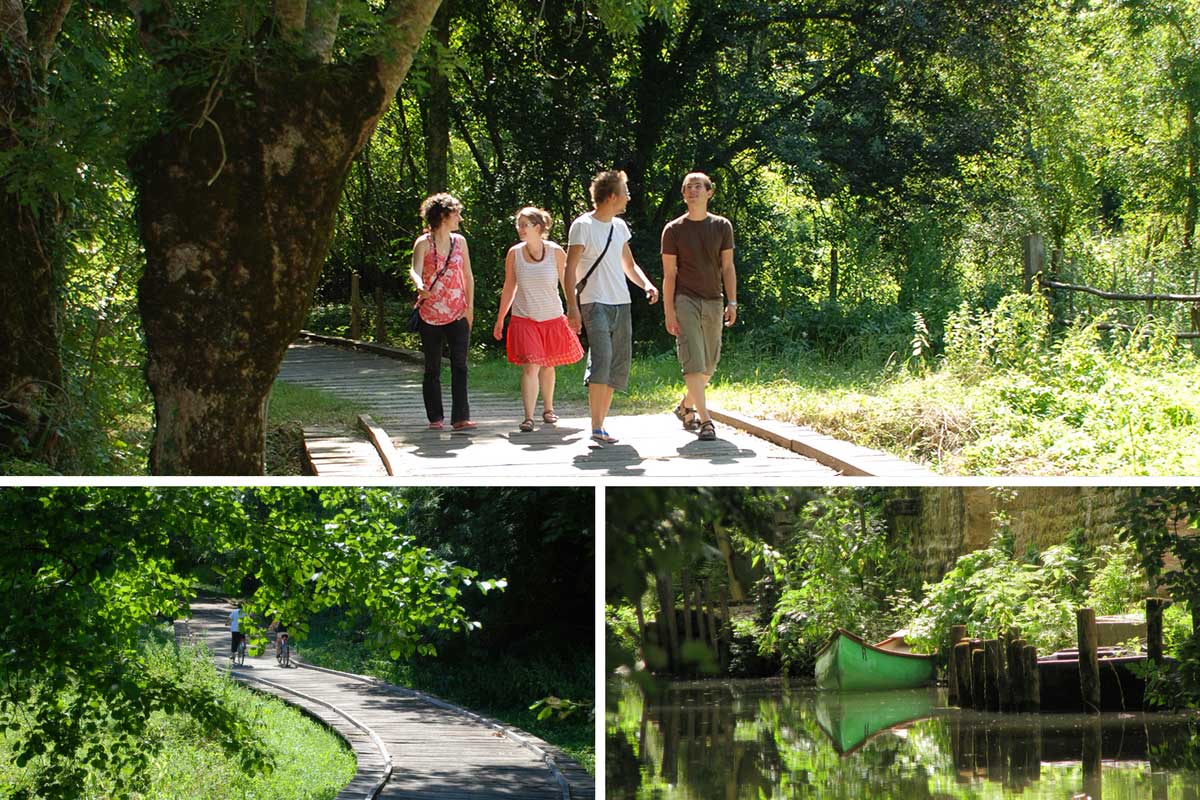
(85, 569)
(535, 639)
(877, 162)
(306, 760)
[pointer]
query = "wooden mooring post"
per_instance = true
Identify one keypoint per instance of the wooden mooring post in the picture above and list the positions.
(1014, 698)
(961, 656)
(957, 634)
(1032, 700)
(978, 676)
(1089, 661)
(994, 664)
(1154, 628)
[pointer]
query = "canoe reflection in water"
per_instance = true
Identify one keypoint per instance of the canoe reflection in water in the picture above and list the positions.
(769, 739)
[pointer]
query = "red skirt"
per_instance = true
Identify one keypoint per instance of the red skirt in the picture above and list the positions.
(550, 343)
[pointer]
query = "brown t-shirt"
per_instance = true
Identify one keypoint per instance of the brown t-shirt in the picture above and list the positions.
(697, 246)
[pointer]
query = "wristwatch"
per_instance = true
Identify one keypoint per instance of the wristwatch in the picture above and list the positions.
(732, 304)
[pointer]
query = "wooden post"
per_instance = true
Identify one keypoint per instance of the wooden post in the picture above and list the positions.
(978, 679)
(957, 634)
(380, 318)
(961, 658)
(1089, 662)
(355, 308)
(1034, 257)
(994, 651)
(1033, 679)
(1016, 674)
(1154, 628)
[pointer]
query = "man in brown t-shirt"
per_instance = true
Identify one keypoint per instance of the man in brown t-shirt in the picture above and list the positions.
(697, 255)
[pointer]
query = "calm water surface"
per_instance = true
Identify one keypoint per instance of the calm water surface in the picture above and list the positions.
(763, 740)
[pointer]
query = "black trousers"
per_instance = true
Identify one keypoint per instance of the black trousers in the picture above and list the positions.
(433, 337)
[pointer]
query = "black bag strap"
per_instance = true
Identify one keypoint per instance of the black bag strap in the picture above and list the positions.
(449, 255)
(579, 287)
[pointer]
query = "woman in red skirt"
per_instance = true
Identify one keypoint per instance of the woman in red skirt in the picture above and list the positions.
(538, 336)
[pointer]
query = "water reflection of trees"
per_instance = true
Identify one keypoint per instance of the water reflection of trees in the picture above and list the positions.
(742, 742)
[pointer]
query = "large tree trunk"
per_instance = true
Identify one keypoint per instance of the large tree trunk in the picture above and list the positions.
(29, 357)
(236, 209)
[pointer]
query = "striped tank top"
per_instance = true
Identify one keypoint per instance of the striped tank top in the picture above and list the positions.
(537, 295)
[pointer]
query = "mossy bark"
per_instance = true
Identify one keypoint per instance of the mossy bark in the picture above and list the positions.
(236, 210)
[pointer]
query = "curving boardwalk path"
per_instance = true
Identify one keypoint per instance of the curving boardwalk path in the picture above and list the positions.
(650, 446)
(408, 745)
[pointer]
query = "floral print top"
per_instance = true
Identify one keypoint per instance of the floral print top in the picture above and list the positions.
(448, 298)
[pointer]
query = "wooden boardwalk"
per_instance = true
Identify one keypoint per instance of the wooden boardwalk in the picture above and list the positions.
(408, 745)
(651, 445)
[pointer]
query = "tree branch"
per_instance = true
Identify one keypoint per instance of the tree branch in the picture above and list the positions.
(324, 16)
(404, 26)
(290, 15)
(47, 34)
(13, 32)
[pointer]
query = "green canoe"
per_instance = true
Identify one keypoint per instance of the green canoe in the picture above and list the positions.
(848, 663)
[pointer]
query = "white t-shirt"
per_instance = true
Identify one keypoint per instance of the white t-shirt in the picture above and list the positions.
(235, 617)
(607, 284)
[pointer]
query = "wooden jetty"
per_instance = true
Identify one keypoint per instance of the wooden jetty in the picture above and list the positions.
(409, 744)
(386, 382)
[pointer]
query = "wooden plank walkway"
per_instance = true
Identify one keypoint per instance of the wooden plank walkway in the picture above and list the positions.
(651, 445)
(435, 751)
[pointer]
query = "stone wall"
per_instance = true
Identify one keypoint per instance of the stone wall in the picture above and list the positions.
(938, 524)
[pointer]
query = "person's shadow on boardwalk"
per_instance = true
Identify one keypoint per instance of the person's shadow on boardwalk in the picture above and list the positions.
(440, 444)
(620, 460)
(716, 452)
(544, 438)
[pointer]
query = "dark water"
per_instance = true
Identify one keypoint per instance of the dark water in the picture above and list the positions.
(763, 740)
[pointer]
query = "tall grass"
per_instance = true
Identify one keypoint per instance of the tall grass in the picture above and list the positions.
(187, 763)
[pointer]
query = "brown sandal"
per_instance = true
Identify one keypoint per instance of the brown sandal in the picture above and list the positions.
(527, 426)
(689, 417)
(549, 417)
(708, 431)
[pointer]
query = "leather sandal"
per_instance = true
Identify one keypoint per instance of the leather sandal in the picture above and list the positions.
(549, 417)
(527, 425)
(708, 431)
(464, 425)
(689, 417)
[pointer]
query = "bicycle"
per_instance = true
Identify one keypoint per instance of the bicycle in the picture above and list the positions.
(283, 653)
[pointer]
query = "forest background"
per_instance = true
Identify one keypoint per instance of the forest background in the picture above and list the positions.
(882, 165)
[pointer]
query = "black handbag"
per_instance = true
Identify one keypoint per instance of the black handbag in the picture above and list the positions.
(414, 318)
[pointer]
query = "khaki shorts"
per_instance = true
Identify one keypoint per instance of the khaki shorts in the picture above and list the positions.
(699, 342)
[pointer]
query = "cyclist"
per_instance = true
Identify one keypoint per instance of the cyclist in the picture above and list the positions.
(236, 618)
(281, 636)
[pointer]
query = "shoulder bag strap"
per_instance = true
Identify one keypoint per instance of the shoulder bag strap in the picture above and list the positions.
(579, 287)
(449, 255)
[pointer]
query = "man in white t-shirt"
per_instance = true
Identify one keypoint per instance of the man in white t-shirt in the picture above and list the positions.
(598, 262)
(235, 622)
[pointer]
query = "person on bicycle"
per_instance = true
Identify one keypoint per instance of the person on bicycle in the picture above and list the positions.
(281, 636)
(235, 623)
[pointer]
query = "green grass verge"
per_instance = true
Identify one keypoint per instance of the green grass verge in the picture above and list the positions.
(186, 763)
(1055, 416)
(494, 685)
